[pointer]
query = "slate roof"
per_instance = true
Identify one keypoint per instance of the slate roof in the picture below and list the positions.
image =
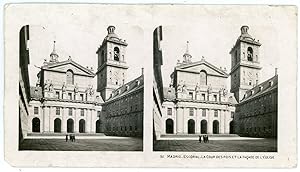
(261, 89)
(127, 88)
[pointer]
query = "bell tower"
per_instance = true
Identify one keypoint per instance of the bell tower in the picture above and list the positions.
(112, 67)
(245, 64)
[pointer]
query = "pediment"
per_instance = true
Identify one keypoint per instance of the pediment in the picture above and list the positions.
(69, 65)
(196, 67)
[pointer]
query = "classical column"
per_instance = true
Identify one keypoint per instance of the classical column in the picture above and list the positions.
(198, 120)
(209, 121)
(64, 118)
(179, 120)
(222, 121)
(76, 122)
(227, 115)
(88, 121)
(46, 119)
(43, 115)
(174, 122)
(51, 120)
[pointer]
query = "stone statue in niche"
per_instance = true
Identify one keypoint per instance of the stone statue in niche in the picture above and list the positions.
(209, 89)
(51, 87)
(197, 88)
(184, 89)
(64, 87)
(46, 86)
(76, 88)
(225, 92)
(179, 87)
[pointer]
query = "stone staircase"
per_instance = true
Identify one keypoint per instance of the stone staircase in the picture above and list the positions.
(196, 135)
(64, 134)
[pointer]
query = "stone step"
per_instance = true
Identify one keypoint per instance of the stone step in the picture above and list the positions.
(196, 135)
(63, 134)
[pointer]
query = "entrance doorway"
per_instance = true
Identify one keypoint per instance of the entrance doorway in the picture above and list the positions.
(82, 126)
(231, 127)
(70, 126)
(169, 126)
(216, 127)
(203, 126)
(57, 125)
(98, 126)
(191, 126)
(35, 124)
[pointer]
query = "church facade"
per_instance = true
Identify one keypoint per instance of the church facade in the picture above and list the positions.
(65, 100)
(198, 101)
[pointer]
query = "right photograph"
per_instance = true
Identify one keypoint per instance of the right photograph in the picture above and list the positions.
(215, 87)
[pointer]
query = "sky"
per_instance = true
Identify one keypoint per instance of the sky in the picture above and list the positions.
(212, 32)
(78, 33)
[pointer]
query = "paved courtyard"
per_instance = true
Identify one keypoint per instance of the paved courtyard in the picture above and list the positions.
(128, 144)
(253, 145)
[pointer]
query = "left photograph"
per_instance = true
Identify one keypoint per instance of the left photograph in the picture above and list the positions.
(80, 88)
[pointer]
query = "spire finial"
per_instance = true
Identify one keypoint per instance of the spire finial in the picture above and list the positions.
(187, 47)
(53, 55)
(54, 46)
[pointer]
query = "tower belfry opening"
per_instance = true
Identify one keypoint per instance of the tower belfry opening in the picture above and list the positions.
(245, 64)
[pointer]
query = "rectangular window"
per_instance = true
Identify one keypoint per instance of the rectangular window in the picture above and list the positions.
(191, 111)
(82, 112)
(36, 110)
(215, 98)
(57, 110)
(216, 113)
(81, 97)
(203, 96)
(70, 111)
(169, 111)
(204, 112)
(70, 96)
(57, 94)
(190, 95)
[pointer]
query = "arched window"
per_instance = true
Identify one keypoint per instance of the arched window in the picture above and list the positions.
(70, 77)
(250, 54)
(116, 54)
(203, 78)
